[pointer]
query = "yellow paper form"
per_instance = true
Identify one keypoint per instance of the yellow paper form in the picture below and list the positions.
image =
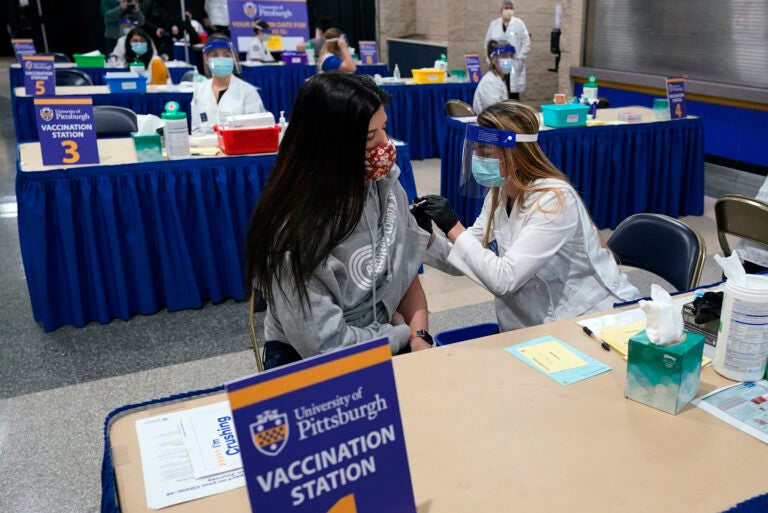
(551, 357)
(618, 338)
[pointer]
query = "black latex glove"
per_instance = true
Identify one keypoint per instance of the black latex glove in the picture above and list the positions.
(439, 210)
(422, 219)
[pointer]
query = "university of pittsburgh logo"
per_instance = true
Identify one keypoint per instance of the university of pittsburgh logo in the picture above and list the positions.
(28, 64)
(270, 432)
(46, 113)
(249, 8)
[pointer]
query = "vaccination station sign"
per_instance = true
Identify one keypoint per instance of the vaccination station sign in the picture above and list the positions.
(287, 19)
(67, 131)
(324, 435)
(39, 75)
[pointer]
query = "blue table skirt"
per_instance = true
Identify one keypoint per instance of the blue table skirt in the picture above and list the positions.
(112, 241)
(148, 103)
(97, 74)
(619, 170)
(278, 85)
(417, 114)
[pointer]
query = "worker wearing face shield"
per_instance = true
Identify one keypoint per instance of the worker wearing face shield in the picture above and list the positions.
(494, 86)
(534, 245)
(223, 94)
(512, 29)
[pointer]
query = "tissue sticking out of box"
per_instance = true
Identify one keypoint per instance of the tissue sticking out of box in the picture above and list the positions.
(148, 124)
(258, 120)
(664, 320)
(732, 268)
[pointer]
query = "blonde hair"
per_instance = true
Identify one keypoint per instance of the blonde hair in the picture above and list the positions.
(329, 46)
(525, 162)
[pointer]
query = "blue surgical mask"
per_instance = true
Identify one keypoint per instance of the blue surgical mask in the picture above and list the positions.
(265, 37)
(139, 48)
(221, 66)
(487, 172)
(506, 65)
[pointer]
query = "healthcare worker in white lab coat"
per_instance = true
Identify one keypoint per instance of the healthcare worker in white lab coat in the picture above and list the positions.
(493, 86)
(223, 94)
(534, 245)
(512, 29)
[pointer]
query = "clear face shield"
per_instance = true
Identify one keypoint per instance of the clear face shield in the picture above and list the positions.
(504, 58)
(483, 158)
(215, 52)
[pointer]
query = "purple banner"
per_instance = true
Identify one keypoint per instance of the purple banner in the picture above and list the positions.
(22, 47)
(473, 67)
(287, 19)
(676, 97)
(67, 131)
(39, 75)
(324, 435)
(368, 52)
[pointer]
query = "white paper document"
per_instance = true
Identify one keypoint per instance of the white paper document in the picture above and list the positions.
(744, 406)
(177, 447)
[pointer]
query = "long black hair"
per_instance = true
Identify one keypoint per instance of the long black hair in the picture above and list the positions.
(130, 55)
(315, 195)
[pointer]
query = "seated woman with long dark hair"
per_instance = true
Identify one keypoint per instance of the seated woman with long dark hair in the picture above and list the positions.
(331, 243)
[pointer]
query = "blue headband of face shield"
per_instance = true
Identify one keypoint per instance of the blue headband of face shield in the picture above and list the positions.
(496, 137)
(503, 49)
(217, 43)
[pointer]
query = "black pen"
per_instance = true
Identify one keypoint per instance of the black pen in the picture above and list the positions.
(602, 343)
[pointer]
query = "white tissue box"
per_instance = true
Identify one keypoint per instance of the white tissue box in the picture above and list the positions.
(665, 377)
(631, 116)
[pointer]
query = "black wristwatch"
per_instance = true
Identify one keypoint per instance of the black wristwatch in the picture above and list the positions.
(424, 334)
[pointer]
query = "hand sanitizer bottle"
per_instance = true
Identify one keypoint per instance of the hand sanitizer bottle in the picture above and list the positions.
(396, 73)
(283, 125)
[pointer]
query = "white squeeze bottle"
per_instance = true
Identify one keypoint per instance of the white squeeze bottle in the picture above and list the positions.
(283, 125)
(310, 51)
(175, 131)
(396, 73)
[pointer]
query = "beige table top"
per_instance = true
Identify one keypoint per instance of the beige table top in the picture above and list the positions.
(487, 433)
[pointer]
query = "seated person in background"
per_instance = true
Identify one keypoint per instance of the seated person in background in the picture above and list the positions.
(335, 56)
(126, 25)
(223, 94)
(190, 30)
(493, 87)
(754, 255)
(138, 46)
(534, 245)
(257, 51)
(331, 243)
(317, 42)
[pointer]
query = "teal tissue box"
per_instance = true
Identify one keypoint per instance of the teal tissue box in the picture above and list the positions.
(665, 377)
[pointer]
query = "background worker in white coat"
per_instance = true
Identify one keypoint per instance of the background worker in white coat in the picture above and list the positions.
(534, 245)
(512, 29)
(493, 87)
(223, 94)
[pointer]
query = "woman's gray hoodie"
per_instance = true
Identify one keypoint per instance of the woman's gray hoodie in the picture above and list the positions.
(340, 290)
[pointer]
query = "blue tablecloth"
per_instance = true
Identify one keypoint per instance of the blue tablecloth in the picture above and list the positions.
(278, 84)
(149, 103)
(96, 74)
(619, 170)
(417, 114)
(103, 242)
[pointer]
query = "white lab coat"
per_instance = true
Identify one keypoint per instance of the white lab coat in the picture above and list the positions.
(257, 51)
(552, 266)
(517, 35)
(240, 98)
(490, 90)
(752, 251)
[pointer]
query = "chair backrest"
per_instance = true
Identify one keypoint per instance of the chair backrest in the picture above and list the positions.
(72, 77)
(458, 108)
(742, 216)
(58, 56)
(662, 245)
(113, 121)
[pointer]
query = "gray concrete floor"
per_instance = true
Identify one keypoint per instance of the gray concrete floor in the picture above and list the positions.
(57, 388)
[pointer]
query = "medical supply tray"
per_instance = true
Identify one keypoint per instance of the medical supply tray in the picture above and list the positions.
(565, 115)
(238, 141)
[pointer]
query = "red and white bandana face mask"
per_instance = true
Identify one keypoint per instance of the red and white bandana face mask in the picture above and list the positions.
(380, 159)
